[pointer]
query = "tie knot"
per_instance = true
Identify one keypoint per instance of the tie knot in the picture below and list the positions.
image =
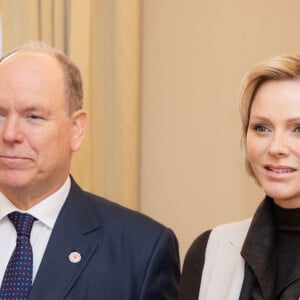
(22, 222)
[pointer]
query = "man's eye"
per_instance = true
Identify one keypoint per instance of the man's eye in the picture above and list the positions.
(34, 117)
(297, 129)
(261, 128)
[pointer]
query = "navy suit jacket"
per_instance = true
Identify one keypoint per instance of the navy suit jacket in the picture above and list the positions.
(124, 254)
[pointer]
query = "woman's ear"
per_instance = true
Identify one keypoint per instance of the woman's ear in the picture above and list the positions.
(79, 122)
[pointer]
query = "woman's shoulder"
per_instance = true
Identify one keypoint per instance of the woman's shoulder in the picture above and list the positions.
(196, 252)
(197, 248)
(195, 257)
(192, 268)
(234, 232)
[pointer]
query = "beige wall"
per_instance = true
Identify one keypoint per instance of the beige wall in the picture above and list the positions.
(194, 56)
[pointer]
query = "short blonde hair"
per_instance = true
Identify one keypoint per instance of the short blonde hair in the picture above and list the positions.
(277, 68)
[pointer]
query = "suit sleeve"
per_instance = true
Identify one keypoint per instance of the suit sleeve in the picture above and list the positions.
(161, 281)
(192, 268)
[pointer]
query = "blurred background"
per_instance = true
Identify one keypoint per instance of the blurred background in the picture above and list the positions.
(161, 81)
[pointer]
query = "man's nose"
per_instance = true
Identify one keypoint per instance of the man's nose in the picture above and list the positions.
(12, 131)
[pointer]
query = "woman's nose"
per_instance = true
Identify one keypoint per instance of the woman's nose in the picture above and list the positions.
(279, 145)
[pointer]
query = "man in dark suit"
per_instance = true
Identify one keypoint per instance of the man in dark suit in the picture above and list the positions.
(83, 246)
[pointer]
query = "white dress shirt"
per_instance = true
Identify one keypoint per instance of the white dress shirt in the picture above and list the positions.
(46, 213)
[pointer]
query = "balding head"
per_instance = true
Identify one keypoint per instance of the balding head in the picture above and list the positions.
(71, 74)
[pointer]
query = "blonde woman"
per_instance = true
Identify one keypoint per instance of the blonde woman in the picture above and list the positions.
(259, 258)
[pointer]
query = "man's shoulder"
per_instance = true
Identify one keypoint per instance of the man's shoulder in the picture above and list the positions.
(114, 214)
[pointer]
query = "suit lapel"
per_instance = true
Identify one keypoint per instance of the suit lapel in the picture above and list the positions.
(57, 273)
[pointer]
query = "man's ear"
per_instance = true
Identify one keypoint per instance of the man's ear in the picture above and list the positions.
(79, 122)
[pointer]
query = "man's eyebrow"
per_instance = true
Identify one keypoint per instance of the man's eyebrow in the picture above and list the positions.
(35, 108)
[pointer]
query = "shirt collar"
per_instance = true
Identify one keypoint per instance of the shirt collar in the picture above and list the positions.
(45, 211)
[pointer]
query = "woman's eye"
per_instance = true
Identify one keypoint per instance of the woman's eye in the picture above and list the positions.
(297, 129)
(261, 128)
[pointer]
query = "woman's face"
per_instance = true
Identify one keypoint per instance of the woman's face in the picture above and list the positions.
(273, 140)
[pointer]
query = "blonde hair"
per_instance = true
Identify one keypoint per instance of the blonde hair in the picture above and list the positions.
(277, 68)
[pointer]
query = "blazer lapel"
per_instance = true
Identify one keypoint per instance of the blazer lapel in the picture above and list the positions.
(58, 271)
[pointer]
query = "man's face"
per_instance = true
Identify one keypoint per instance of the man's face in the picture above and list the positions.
(36, 132)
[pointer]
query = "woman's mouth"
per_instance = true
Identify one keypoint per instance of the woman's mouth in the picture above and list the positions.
(280, 169)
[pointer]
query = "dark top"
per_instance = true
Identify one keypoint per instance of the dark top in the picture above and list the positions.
(192, 268)
(287, 240)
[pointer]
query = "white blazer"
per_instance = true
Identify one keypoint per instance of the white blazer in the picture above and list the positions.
(223, 271)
